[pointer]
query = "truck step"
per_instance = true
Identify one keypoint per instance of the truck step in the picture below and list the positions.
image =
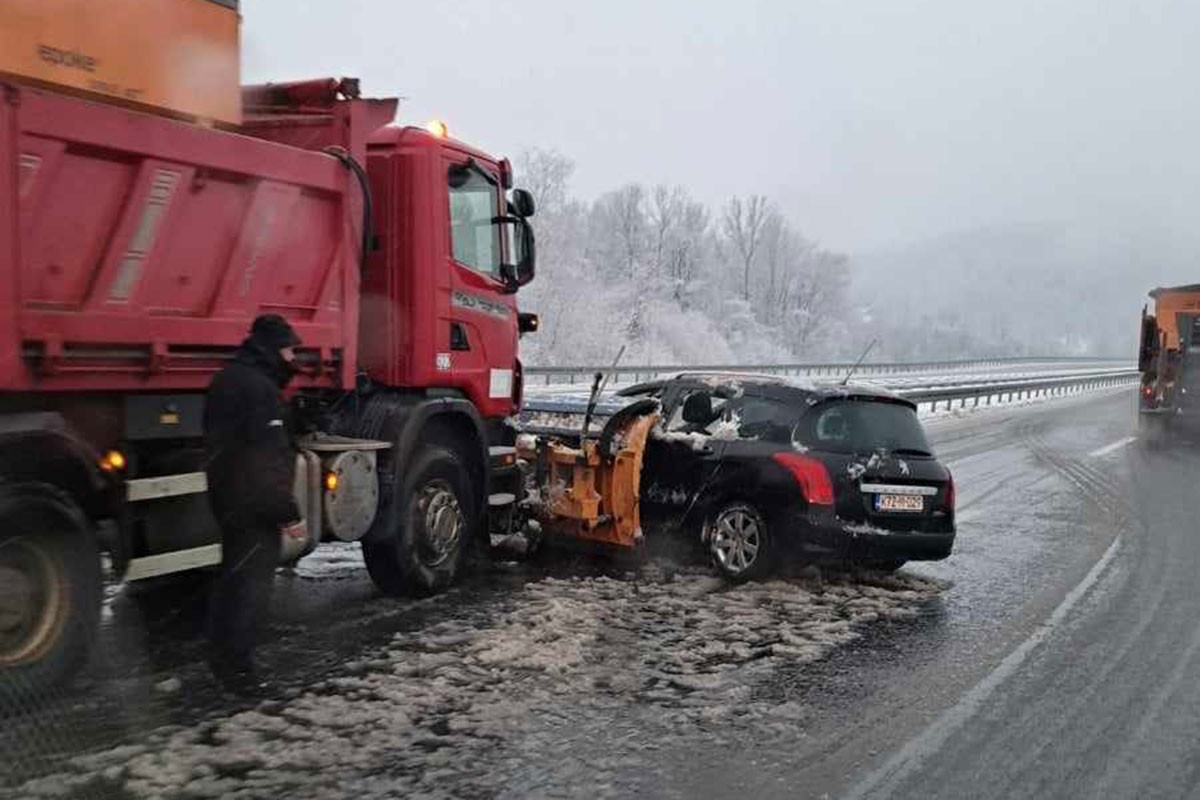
(177, 561)
(501, 499)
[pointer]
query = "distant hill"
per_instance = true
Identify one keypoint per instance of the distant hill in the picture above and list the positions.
(1018, 289)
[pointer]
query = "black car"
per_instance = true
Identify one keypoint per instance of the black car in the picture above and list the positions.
(763, 467)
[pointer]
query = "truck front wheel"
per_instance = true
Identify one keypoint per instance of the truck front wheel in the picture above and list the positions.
(429, 529)
(50, 589)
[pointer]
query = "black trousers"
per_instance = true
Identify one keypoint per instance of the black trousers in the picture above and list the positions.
(242, 594)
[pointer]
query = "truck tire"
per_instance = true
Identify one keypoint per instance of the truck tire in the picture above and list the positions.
(50, 589)
(429, 530)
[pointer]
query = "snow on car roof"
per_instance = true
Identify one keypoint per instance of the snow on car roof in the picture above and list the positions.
(737, 379)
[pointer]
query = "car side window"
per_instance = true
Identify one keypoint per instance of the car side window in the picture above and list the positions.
(695, 411)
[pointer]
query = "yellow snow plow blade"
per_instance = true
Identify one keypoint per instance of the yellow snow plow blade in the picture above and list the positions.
(588, 493)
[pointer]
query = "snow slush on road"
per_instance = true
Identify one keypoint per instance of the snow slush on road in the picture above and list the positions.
(568, 677)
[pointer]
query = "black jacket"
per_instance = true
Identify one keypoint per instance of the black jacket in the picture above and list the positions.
(251, 455)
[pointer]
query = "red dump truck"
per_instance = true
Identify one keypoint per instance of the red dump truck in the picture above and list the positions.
(135, 251)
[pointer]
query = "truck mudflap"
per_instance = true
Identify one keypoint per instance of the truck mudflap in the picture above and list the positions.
(590, 489)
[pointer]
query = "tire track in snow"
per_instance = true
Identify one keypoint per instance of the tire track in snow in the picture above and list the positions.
(886, 780)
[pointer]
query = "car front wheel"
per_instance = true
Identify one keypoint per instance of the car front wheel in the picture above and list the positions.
(739, 543)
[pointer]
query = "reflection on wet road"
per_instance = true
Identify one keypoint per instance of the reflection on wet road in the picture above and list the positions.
(579, 678)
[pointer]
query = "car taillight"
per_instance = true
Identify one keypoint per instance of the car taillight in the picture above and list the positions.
(811, 474)
(951, 494)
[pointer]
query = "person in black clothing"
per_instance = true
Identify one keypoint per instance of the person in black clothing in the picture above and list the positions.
(251, 468)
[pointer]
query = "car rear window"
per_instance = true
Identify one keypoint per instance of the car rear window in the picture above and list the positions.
(763, 418)
(864, 426)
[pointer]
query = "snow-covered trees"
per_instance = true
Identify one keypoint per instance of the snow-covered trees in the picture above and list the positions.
(654, 269)
(742, 223)
(679, 281)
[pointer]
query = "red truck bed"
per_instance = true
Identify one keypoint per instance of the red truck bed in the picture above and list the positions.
(135, 249)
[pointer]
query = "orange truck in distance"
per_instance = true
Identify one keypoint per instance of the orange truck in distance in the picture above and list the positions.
(1169, 360)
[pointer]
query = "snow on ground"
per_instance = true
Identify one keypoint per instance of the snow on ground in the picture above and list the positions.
(461, 706)
(331, 559)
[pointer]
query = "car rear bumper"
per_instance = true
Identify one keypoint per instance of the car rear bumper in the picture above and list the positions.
(856, 540)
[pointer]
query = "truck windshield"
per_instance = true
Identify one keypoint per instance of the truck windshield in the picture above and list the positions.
(475, 238)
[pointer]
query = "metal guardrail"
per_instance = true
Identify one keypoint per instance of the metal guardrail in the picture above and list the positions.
(1017, 390)
(548, 376)
(940, 395)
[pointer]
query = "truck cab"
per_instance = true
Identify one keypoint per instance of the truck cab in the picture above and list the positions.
(451, 323)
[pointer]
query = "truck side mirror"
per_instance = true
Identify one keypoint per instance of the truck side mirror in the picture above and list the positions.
(522, 203)
(1148, 349)
(526, 252)
(524, 244)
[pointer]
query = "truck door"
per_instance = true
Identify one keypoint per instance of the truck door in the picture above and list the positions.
(480, 333)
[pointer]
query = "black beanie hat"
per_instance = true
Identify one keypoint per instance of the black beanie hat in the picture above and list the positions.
(273, 331)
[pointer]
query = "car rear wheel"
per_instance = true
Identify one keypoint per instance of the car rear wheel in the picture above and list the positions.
(739, 542)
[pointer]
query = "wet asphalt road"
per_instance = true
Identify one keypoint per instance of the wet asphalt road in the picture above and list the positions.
(1037, 513)
(965, 678)
(1107, 704)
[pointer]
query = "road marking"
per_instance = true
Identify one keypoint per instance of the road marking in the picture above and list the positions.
(888, 777)
(1112, 448)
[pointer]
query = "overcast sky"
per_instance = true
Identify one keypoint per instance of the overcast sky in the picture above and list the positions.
(870, 122)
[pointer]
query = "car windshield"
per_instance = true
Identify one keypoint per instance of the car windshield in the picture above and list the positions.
(858, 426)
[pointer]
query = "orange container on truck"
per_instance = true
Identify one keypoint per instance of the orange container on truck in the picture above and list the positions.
(178, 57)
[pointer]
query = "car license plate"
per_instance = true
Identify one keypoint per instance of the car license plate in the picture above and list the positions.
(899, 502)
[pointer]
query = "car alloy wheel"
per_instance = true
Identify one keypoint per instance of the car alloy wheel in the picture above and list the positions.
(736, 539)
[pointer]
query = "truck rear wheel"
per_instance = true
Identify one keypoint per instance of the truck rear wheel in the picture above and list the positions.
(429, 531)
(50, 589)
